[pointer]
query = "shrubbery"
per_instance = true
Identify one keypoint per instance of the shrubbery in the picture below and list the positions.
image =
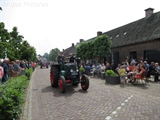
(12, 96)
(111, 73)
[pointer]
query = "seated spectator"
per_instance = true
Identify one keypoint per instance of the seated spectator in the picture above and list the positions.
(88, 69)
(157, 68)
(102, 70)
(152, 70)
(140, 74)
(108, 67)
(132, 67)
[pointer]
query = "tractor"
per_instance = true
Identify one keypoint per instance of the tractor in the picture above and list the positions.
(64, 73)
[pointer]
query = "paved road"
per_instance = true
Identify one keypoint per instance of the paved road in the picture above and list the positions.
(101, 102)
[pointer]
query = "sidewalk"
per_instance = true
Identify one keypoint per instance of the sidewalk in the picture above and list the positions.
(27, 108)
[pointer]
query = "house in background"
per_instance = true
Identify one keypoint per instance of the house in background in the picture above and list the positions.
(137, 39)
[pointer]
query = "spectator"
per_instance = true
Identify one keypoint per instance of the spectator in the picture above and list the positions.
(157, 68)
(1, 73)
(5, 66)
(108, 67)
(102, 71)
(33, 65)
(17, 67)
(11, 68)
(122, 73)
(146, 65)
(88, 69)
(152, 70)
(23, 67)
(140, 74)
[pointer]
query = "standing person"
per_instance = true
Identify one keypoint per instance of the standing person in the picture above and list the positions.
(23, 66)
(122, 73)
(11, 73)
(33, 65)
(5, 66)
(1, 73)
(17, 68)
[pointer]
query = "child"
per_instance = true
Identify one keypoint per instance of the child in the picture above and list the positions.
(122, 73)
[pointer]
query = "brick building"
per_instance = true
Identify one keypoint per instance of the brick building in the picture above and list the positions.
(137, 39)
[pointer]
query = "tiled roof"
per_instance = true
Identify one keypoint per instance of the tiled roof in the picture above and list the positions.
(142, 30)
(145, 29)
(139, 31)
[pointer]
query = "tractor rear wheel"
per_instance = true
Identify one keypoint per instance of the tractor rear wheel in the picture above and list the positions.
(54, 76)
(84, 82)
(62, 84)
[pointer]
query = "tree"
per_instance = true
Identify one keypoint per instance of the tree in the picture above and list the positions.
(102, 46)
(4, 34)
(54, 54)
(27, 52)
(16, 40)
(17, 48)
(46, 55)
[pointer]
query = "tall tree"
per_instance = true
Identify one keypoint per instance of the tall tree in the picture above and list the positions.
(53, 54)
(16, 40)
(102, 46)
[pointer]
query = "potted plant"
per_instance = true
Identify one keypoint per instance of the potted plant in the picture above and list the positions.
(81, 70)
(112, 77)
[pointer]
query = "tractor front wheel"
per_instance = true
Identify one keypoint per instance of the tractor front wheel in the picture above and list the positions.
(84, 82)
(62, 84)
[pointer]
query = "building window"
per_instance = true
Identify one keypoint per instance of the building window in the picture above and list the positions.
(133, 55)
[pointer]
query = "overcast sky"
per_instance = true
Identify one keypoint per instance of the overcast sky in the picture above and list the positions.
(49, 24)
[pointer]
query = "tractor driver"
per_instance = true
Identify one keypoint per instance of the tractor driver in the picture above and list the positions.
(60, 58)
(71, 59)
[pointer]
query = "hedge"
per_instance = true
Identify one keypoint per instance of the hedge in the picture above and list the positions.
(12, 96)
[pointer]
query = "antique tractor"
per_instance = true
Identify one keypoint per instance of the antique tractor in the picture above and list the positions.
(64, 73)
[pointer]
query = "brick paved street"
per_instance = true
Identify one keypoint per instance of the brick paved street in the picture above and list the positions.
(101, 102)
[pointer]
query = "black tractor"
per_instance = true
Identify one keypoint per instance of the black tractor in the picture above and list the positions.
(63, 73)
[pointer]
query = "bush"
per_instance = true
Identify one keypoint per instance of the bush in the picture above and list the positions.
(12, 96)
(81, 69)
(29, 73)
(111, 73)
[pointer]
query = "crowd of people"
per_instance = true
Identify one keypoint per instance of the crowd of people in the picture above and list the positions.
(9, 69)
(136, 70)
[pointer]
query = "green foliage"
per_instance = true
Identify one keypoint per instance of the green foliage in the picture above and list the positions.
(102, 45)
(99, 47)
(29, 73)
(12, 97)
(17, 48)
(81, 69)
(111, 73)
(54, 54)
